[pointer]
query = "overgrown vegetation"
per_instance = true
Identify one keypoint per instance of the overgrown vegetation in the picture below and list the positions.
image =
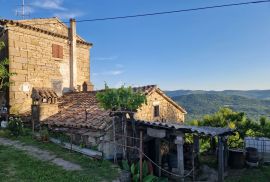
(244, 126)
(15, 165)
(199, 104)
(4, 72)
(261, 174)
(147, 176)
(120, 99)
(15, 126)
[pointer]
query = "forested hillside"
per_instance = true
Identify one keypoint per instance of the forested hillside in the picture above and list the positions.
(255, 94)
(202, 103)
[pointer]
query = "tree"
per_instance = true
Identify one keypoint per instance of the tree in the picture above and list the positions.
(123, 99)
(4, 72)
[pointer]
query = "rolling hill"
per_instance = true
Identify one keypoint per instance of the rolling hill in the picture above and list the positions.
(199, 103)
(255, 94)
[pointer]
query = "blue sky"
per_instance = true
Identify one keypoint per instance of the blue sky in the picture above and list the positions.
(216, 49)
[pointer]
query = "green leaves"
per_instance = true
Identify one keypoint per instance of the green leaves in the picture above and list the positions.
(2, 45)
(150, 178)
(15, 126)
(121, 99)
(146, 176)
(125, 165)
(4, 72)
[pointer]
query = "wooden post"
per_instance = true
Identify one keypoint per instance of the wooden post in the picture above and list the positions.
(157, 156)
(225, 155)
(33, 128)
(196, 143)
(71, 135)
(196, 150)
(220, 160)
(179, 141)
(141, 155)
(124, 137)
(114, 143)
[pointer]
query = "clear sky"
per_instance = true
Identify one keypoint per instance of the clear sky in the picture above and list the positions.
(216, 49)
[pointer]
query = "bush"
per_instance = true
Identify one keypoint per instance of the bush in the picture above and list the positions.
(44, 134)
(15, 126)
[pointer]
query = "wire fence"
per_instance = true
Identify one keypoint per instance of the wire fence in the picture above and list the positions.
(262, 144)
(188, 173)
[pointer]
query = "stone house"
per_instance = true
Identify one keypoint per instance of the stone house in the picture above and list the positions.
(80, 115)
(53, 83)
(44, 53)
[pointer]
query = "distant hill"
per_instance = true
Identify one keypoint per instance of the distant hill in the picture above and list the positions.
(255, 94)
(199, 103)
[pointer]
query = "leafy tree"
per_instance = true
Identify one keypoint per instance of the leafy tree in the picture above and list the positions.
(4, 72)
(123, 101)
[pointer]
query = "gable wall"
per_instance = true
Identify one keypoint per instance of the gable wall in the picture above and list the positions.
(168, 112)
(30, 55)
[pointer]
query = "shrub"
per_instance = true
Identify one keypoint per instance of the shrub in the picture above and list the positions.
(44, 134)
(15, 126)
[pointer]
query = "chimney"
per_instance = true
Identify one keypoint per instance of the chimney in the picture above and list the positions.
(73, 54)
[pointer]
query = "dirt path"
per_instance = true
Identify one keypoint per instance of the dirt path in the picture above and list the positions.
(41, 154)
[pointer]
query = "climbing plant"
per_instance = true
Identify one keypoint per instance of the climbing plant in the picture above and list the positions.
(120, 99)
(4, 72)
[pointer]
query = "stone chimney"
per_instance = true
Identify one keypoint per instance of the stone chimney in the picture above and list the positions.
(73, 55)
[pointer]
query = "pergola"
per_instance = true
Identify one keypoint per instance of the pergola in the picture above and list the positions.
(159, 130)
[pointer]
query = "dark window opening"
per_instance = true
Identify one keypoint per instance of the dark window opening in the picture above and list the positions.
(156, 111)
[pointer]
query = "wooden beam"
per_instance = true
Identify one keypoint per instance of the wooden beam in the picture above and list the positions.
(196, 143)
(179, 141)
(225, 155)
(195, 154)
(141, 155)
(157, 156)
(220, 159)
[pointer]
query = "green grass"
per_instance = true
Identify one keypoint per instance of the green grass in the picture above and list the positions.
(15, 165)
(261, 174)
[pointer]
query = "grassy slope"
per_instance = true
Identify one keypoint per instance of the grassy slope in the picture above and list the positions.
(261, 174)
(17, 166)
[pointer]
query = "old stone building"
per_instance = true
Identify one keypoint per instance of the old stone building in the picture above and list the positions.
(52, 83)
(79, 113)
(44, 53)
(159, 107)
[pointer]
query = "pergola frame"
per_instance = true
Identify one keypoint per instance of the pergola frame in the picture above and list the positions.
(179, 130)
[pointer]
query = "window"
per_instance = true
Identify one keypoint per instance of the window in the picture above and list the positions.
(57, 51)
(156, 111)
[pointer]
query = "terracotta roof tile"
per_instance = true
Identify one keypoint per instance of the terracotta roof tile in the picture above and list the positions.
(80, 109)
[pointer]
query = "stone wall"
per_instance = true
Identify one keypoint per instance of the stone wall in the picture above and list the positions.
(47, 110)
(30, 55)
(168, 112)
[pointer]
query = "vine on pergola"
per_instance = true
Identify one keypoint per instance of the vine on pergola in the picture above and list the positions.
(123, 99)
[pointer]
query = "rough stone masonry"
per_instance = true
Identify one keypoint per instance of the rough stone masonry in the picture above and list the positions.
(43, 53)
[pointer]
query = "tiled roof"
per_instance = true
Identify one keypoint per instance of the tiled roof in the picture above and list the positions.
(145, 89)
(204, 130)
(40, 93)
(26, 24)
(80, 110)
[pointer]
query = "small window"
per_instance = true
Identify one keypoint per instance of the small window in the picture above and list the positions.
(156, 111)
(57, 51)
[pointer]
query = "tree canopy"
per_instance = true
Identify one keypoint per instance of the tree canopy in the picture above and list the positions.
(120, 99)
